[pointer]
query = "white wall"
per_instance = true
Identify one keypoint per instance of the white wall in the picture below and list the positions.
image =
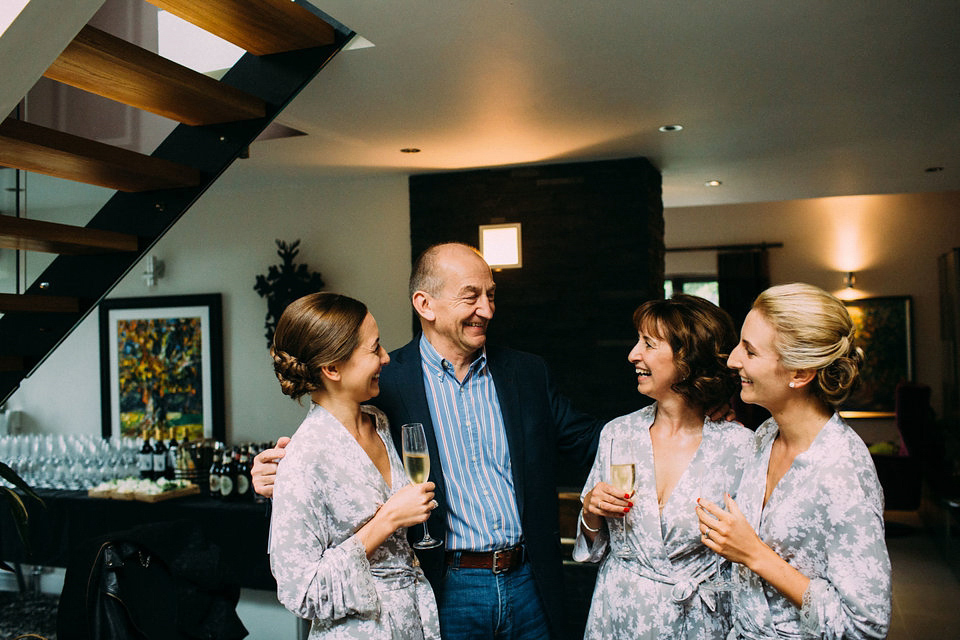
(891, 242)
(354, 231)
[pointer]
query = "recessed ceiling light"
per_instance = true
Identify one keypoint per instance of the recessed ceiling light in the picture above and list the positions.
(668, 128)
(409, 150)
(933, 169)
(712, 183)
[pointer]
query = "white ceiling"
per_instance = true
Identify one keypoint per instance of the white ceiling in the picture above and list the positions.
(779, 100)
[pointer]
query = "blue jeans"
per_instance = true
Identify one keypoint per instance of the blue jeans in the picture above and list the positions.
(477, 604)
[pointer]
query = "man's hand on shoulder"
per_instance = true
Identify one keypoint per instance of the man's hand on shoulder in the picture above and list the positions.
(264, 471)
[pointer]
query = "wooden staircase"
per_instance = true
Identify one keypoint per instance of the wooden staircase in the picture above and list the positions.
(287, 44)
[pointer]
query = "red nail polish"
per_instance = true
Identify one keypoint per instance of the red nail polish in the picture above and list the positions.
(629, 504)
(626, 509)
(626, 495)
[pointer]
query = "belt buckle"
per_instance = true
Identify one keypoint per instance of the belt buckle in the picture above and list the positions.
(496, 561)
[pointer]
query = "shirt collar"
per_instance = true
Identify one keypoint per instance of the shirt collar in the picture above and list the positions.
(437, 364)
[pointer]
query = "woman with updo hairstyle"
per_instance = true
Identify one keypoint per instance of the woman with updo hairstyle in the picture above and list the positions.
(341, 499)
(655, 573)
(806, 527)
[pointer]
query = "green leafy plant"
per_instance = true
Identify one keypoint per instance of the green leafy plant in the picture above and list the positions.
(18, 510)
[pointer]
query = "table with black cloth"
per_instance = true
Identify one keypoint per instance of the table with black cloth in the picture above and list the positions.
(71, 518)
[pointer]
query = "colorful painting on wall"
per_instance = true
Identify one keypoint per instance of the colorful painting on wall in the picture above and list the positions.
(883, 328)
(161, 362)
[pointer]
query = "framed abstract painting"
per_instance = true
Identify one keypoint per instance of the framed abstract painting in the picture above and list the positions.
(161, 366)
(884, 332)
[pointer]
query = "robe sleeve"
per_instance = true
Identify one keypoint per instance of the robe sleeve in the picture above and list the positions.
(317, 578)
(853, 599)
(583, 549)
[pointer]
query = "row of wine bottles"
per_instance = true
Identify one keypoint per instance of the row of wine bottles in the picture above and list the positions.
(223, 472)
(158, 460)
(229, 477)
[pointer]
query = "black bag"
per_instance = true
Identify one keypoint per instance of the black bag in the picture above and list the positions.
(160, 581)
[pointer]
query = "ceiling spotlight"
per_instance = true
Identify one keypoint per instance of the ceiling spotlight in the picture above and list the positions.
(668, 128)
(712, 183)
(409, 150)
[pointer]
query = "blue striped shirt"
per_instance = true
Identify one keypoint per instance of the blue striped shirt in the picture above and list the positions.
(482, 512)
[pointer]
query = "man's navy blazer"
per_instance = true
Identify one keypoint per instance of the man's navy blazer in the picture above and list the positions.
(540, 423)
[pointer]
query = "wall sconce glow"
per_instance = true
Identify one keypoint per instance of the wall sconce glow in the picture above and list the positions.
(849, 291)
(500, 245)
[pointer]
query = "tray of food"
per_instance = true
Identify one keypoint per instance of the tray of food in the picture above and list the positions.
(143, 490)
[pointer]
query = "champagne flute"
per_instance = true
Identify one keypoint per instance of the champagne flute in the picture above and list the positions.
(416, 462)
(623, 477)
(717, 583)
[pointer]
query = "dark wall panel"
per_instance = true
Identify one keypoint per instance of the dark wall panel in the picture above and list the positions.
(592, 251)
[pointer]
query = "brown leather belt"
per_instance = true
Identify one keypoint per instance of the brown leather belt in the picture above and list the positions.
(499, 561)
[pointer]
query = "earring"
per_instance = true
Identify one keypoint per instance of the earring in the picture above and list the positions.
(792, 385)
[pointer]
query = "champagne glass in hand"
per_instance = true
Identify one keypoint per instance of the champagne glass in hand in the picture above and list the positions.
(416, 462)
(716, 583)
(623, 473)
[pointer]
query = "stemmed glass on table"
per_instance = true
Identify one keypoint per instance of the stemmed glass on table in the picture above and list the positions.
(416, 462)
(623, 477)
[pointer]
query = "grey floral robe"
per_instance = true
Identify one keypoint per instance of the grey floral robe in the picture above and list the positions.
(655, 592)
(327, 488)
(824, 517)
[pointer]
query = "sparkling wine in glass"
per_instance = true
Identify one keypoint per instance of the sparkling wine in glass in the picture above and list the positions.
(416, 462)
(623, 476)
(717, 583)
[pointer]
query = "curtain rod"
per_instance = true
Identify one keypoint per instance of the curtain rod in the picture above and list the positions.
(730, 247)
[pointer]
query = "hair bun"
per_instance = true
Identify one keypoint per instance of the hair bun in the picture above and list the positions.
(294, 376)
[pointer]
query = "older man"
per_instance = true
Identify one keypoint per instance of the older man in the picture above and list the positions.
(494, 424)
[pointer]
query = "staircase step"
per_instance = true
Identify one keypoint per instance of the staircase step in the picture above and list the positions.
(52, 237)
(34, 148)
(14, 303)
(261, 27)
(113, 68)
(13, 363)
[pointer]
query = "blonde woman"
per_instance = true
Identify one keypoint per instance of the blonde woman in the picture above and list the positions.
(806, 528)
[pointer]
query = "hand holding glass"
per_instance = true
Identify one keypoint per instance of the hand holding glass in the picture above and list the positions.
(623, 473)
(716, 583)
(416, 462)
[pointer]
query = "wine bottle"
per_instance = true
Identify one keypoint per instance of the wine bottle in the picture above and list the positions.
(145, 458)
(228, 477)
(173, 449)
(159, 456)
(214, 477)
(244, 478)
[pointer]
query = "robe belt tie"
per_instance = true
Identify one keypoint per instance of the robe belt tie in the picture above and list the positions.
(683, 588)
(393, 578)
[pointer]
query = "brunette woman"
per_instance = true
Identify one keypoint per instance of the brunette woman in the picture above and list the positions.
(342, 501)
(655, 573)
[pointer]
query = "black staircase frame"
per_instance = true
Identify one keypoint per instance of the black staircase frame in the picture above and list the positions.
(276, 79)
